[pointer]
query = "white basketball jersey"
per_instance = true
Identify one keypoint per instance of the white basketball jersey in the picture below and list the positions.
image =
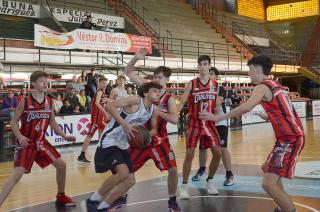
(121, 93)
(114, 134)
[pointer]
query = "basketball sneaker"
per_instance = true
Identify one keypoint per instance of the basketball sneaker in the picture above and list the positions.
(120, 202)
(184, 191)
(173, 206)
(229, 181)
(89, 205)
(83, 159)
(200, 175)
(64, 201)
(210, 187)
(277, 209)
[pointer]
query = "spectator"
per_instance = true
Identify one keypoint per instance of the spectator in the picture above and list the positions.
(84, 101)
(75, 85)
(83, 78)
(87, 23)
(76, 109)
(93, 78)
(10, 103)
(107, 29)
(109, 87)
(57, 104)
(129, 90)
(23, 94)
(66, 109)
(72, 98)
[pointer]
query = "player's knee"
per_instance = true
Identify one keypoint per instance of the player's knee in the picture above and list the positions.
(122, 173)
(190, 154)
(131, 180)
(61, 165)
(268, 185)
(17, 176)
(173, 172)
(217, 153)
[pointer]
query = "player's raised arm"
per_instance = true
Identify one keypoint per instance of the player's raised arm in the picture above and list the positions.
(185, 96)
(172, 115)
(129, 70)
(258, 93)
(122, 103)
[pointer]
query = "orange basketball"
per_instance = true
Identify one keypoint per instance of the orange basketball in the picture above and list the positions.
(141, 138)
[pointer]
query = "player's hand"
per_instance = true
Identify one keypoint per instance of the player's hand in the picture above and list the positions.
(23, 141)
(140, 54)
(70, 138)
(205, 116)
(129, 130)
(105, 100)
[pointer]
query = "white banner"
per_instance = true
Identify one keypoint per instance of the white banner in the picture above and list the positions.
(249, 118)
(76, 125)
(19, 9)
(89, 39)
(300, 108)
(316, 108)
(78, 16)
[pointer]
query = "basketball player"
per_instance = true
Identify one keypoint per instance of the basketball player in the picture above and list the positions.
(36, 113)
(119, 92)
(201, 94)
(222, 128)
(160, 150)
(112, 153)
(285, 122)
(99, 117)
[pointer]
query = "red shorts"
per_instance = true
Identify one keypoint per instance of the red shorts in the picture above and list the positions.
(162, 155)
(94, 127)
(199, 130)
(283, 158)
(43, 155)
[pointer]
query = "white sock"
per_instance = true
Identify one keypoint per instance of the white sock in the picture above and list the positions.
(96, 197)
(103, 205)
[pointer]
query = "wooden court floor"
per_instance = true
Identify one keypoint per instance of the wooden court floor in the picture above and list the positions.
(248, 147)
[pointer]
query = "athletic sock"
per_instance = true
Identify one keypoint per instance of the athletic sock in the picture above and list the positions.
(103, 205)
(172, 198)
(184, 182)
(60, 194)
(82, 154)
(209, 178)
(202, 169)
(96, 197)
(229, 174)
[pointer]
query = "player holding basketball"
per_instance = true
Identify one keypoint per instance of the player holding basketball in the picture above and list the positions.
(112, 153)
(160, 150)
(222, 128)
(285, 122)
(36, 113)
(99, 117)
(201, 94)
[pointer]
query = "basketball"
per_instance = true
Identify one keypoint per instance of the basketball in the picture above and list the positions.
(141, 138)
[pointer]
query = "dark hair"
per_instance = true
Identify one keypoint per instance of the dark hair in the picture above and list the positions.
(38, 74)
(204, 58)
(214, 70)
(102, 78)
(93, 69)
(163, 69)
(264, 61)
(144, 88)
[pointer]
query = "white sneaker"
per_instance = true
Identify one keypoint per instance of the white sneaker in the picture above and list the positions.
(184, 191)
(210, 187)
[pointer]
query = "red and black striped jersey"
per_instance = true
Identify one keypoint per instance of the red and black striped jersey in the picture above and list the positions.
(36, 118)
(202, 97)
(281, 113)
(97, 115)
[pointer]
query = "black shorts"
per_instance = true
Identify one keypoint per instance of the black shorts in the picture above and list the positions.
(223, 134)
(106, 159)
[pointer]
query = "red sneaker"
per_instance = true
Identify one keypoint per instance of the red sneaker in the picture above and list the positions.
(65, 201)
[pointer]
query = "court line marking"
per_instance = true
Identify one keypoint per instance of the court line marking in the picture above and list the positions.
(244, 197)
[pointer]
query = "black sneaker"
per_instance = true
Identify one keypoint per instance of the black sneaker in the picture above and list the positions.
(120, 202)
(173, 206)
(89, 205)
(277, 209)
(83, 159)
(200, 175)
